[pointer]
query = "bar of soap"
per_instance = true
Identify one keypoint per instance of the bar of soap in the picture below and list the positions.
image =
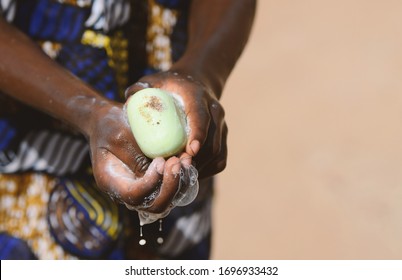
(157, 122)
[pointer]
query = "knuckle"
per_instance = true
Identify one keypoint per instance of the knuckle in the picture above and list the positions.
(129, 91)
(218, 109)
(221, 165)
(142, 163)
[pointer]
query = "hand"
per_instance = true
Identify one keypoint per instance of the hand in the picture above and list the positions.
(120, 168)
(205, 117)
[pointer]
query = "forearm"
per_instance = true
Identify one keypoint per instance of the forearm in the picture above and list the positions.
(31, 77)
(218, 33)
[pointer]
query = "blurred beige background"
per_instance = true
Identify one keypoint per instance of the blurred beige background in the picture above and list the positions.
(314, 109)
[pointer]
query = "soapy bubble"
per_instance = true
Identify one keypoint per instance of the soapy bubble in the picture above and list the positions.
(188, 190)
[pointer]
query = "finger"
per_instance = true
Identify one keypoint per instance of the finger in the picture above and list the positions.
(169, 187)
(185, 160)
(218, 164)
(216, 129)
(124, 146)
(213, 145)
(115, 136)
(198, 122)
(150, 182)
(119, 181)
(136, 87)
(150, 81)
(130, 155)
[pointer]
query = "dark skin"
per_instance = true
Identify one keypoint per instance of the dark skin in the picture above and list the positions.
(119, 166)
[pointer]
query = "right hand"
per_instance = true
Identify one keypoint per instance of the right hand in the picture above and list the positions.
(122, 170)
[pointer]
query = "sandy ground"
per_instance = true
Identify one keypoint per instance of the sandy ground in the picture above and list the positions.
(314, 108)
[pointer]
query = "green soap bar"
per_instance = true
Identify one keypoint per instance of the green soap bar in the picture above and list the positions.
(157, 122)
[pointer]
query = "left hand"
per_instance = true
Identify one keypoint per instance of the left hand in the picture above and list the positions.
(205, 118)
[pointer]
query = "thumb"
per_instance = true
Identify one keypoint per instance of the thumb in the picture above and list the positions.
(198, 124)
(136, 87)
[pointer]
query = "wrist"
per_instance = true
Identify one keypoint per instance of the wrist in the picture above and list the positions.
(197, 69)
(85, 112)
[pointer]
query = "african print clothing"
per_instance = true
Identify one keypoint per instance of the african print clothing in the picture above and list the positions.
(50, 207)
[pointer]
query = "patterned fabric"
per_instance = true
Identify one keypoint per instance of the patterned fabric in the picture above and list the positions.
(81, 219)
(51, 152)
(23, 213)
(50, 207)
(13, 248)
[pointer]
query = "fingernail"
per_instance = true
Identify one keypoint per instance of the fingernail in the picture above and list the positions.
(194, 147)
(186, 161)
(143, 84)
(176, 168)
(160, 165)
